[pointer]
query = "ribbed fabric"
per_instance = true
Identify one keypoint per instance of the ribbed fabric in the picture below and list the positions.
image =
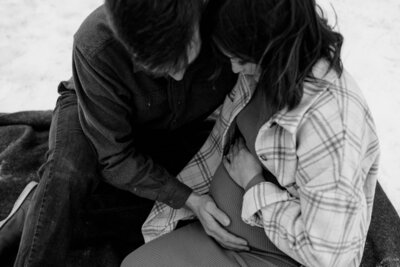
(190, 246)
(229, 197)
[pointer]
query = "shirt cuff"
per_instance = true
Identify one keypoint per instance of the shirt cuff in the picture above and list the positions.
(254, 181)
(174, 193)
(260, 196)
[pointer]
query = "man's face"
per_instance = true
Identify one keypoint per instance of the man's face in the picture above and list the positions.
(192, 52)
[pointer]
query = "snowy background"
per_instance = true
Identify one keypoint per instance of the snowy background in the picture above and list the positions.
(36, 42)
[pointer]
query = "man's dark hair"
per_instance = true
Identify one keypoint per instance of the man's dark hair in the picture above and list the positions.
(157, 33)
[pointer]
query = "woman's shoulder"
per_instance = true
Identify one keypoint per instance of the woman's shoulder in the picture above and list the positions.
(349, 97)
(339, 101)
(341, 86)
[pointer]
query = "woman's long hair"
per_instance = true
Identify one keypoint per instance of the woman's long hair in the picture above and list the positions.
(285, 38)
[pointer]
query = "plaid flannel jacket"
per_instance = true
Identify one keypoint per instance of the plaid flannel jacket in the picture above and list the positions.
(324, 153)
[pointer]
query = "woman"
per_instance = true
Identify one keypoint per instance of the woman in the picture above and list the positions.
(299, 142)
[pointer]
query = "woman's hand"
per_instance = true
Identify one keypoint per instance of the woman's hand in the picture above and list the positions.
(240, 164)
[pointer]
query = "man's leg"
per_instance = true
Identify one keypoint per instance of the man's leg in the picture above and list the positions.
(66, 178)
(113, 217)
(119, 219)
(69, 202)
(11, 227)
(56, 216)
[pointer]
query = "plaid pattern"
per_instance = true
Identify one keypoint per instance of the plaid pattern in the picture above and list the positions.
(200, 170)
(324, 153)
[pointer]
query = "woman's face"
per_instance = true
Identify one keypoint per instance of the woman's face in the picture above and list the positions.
(243, 67)
(239, 66)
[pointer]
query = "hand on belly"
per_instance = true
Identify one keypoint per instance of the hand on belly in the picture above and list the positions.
(229, 197)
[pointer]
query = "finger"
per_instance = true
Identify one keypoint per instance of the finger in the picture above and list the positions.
(241, 143)
(234, 247)
(226, 162)
(228, 239)
(219, 215)
(222, 236)
(228, 157)
(235, 148)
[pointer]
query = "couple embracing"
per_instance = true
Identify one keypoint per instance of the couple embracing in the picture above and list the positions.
(284, 176)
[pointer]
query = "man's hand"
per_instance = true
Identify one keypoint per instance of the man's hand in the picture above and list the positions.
(211, 217)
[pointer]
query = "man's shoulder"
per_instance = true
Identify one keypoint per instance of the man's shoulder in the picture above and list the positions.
(94, 33)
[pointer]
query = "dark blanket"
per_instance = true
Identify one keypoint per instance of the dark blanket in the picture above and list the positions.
(23, 144)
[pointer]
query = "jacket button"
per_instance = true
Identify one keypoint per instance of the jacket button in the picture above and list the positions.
(264, 158)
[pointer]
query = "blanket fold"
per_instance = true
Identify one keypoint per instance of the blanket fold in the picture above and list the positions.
(24, 142)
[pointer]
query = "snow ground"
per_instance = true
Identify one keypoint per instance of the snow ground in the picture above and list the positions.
(36, 42)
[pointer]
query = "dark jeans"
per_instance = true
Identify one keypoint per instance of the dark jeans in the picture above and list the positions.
(73, 206)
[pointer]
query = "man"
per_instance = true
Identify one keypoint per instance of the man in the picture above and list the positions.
(144, 82)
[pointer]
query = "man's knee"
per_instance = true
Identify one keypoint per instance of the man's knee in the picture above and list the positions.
(71, 166)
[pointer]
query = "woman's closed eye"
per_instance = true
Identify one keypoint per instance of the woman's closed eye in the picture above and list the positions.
(238, 61)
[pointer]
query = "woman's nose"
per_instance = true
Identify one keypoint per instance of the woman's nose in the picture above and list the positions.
(236, 67)
(177, 76)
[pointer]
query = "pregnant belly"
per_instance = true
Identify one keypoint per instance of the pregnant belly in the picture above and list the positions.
(229, 197)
